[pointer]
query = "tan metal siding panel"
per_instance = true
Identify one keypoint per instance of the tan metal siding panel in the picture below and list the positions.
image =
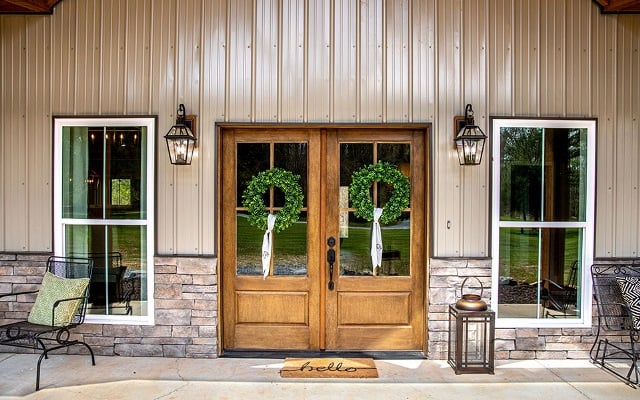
(163, 93)
(579, 67)
(423, 67)
(292, 87)
(4, 72)
(627, 141)
(552, 51)
(266, 72)
(63, 58)
(39, 139)
(14, 136)
(500, 57)
(397, 61)
(371, 64)
(447, 192)
(319, 52)
(604, 96)
(475, 180)
(114, 19)
(526, 53)
(240, 60)
(344, 64)
(88, 46)
(212, 110)
(187, 212)
(137, 56)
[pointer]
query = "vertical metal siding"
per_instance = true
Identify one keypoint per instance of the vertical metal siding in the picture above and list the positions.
(605, 105)
(626, 238)
(370, 62)
(38, 106)
(396, 63)
(552, 50)
(318, 61)
(344, 97)
(163, 95)
(267, 74)
(291, 60)
(475, 181)
(319, 51)
(446, 180)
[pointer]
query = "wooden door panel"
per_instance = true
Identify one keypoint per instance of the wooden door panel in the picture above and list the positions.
(272, 307)
(376, 338)
(374, 308)
(271, 337)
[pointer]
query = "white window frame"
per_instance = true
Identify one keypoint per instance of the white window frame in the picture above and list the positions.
(59, 223)
(587, 226)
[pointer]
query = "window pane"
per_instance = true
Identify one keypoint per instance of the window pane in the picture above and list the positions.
(540, 272)
(565, 155)
(543, 174)
(100, 166)
(521, 174)
(119, 280)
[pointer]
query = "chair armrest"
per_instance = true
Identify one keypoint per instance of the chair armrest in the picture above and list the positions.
(17, 293)
(57, 303)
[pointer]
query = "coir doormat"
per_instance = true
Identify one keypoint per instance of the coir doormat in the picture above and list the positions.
(329, 368)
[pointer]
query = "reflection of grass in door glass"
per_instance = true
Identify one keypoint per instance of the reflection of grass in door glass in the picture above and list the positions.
(289, 246)
(355, 251)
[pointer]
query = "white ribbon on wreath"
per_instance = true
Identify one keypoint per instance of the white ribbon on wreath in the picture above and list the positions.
(376, 240)
(267, 240)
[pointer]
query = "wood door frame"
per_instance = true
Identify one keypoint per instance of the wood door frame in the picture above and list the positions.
(322, 129)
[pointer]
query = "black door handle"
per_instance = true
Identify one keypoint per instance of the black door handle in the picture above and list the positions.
(331, 258)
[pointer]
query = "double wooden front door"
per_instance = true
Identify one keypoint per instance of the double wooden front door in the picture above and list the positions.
(305, 303)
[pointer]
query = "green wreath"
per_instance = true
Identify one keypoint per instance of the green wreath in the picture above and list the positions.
(252, 198)
(359, 189)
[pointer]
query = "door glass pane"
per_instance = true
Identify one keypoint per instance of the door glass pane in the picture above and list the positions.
(289, 250)
(251, 159)
(355, 232)
(540, 272)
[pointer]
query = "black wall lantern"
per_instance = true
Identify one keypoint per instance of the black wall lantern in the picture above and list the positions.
(181, 140)
(469, 138)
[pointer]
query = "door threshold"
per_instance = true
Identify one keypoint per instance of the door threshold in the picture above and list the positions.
(281, 354)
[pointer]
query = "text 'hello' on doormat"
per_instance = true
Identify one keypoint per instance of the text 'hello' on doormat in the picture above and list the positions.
(329, 368)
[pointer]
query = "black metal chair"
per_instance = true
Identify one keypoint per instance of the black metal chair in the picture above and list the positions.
(616, 338)
(47, 337)
(559, 297)
(108, 284)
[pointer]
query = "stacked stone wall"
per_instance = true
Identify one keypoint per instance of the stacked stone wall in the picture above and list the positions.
(186, 312)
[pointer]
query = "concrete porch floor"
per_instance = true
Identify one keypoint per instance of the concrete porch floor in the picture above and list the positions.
(72, 377)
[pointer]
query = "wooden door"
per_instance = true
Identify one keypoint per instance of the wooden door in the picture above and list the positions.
(376, 308)
(293, 308)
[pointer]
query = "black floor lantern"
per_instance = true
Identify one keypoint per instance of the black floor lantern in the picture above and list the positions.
(471, 335)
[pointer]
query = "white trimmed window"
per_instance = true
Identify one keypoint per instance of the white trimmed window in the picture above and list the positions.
(104, 209)
(543, 221)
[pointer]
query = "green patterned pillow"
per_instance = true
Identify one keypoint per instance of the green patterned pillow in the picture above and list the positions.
(630, 288)
(55, 288)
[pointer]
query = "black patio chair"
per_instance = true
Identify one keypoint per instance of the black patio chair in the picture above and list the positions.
(59, 307)
(559, 297)
(617, 340)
